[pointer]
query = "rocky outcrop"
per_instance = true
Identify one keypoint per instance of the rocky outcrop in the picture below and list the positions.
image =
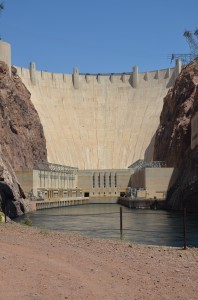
(22, 141)
(21, 133)
(173, 139)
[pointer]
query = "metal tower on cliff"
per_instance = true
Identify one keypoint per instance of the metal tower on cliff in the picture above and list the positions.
(1, 8)
(192, 39)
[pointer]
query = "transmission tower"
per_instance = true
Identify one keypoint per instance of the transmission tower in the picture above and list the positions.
(192, 40)
(193, 45)
(1, 8)
(185, 57)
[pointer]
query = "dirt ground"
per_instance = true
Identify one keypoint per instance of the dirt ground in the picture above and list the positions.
(39, 264)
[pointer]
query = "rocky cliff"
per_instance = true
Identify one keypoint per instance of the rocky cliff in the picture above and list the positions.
(173, 138)
(22, 142)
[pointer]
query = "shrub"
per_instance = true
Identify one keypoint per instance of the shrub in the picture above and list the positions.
(27, 221)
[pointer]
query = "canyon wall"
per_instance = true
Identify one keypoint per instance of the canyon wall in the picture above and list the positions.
(173, 139)
(22, 141)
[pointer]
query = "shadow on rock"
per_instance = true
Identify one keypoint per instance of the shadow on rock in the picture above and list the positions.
(7, 201)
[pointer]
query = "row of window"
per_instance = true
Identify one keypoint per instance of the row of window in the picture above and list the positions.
(57, 177)
(110, 193)
(107, 180)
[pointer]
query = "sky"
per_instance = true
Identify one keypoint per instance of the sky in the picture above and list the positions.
(97, 36)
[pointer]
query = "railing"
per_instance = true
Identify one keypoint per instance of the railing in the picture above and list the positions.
(140, 164)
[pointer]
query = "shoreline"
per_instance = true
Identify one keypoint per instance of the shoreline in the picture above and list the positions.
(44, 264)
(150, 235)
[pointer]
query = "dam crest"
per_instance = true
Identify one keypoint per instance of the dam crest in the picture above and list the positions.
(134, 78)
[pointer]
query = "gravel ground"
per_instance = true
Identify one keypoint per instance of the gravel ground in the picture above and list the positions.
(41, 264)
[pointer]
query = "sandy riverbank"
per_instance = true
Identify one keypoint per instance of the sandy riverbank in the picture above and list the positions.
(39, 264)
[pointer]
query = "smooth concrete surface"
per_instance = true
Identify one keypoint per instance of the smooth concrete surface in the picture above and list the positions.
(98, 121)
(48, 182)
(104, 183)
(60, 203)
(103, 200)
(154, 182)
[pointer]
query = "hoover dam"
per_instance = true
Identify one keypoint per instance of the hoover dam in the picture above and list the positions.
(98, 121)
(95, 126)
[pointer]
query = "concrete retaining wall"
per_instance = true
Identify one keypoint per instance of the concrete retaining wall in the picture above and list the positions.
(60, 203)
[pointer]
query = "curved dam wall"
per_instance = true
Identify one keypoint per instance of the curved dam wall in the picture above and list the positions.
(101, 121)
(98, 121)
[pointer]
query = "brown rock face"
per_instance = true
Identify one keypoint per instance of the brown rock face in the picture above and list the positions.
(22, 141)
(173, 138)
(21, 133)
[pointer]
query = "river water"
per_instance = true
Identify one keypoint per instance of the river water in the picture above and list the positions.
(153, 227)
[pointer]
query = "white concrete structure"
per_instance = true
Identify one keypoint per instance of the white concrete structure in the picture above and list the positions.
(154, 182)
(54, 181)
(100, 121)
(104, 183)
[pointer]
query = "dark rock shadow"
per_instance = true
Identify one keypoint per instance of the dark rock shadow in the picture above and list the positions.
(7, 201)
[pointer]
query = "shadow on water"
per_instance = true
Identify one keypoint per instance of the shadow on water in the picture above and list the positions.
(103, 220)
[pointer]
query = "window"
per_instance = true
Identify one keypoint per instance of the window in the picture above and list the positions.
(104, 180)
(115, 180)
(93, 180)
(99, 180)
(110, 180)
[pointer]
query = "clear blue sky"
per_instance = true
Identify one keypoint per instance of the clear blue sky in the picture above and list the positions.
(97, 36)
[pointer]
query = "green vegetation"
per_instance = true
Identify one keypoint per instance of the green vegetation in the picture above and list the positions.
(44, 231)
(122, 237)
(27, 221)
(2, 217)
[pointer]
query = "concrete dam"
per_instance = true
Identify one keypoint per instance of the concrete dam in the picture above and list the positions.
(101, 121)
(97, 121)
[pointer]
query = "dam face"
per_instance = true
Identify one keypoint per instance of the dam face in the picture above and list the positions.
(98, 121)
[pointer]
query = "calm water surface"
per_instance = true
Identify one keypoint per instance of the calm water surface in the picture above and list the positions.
(103, 220)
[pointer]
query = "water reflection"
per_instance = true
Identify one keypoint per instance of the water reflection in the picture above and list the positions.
(103, 220)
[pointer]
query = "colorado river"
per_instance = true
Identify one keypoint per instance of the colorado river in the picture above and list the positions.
(103, 220)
